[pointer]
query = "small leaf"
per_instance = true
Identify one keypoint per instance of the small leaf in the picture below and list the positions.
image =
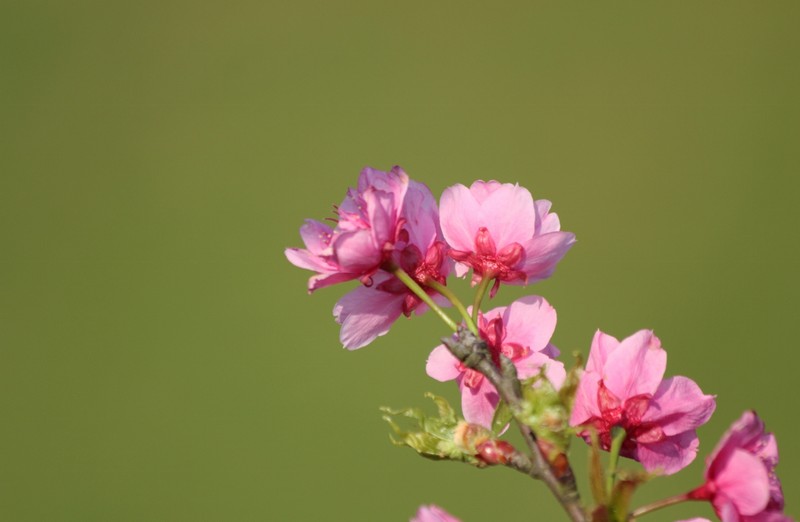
(502, 416)
(436, 437)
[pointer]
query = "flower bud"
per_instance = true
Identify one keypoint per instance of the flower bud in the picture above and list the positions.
(495, 451)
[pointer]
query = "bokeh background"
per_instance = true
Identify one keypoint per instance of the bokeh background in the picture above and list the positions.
(159, 358)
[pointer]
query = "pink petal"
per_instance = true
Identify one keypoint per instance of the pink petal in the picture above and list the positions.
(382, 215)
(478, 405)
(602, 345)
(421, 215)
(545, 221)
(530, 321)
(394, 182)
(679, 405)
(442, 365)
(585, 406)
(366, 313)
(356, 251)
(316, 236)
(746, 432)
(461, 269)
(433, 513)
(743, 479)
(636, 366)
(302, 258)
(554, 370)
(481, 190)
(509, 215)
(670, 455)
(318, 281)
(458, 216)
(542, 254)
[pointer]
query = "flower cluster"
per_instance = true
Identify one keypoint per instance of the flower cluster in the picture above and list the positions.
(391, 236)
(390, 224)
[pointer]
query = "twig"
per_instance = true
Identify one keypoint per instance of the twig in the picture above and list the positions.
(473, 353)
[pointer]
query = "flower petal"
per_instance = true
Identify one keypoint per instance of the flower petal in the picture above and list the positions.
(743, 479)
(542, 254)
(679, 405)
(509, 214)
(366, 313)
(585, 406)
(670, 455)
(602, 345)
(442, 365)
(636, 366)
(530, 321)
(478, 405)
(458, 216)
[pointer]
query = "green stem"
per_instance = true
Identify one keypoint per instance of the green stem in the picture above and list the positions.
(649, 508)
(618, 437)
(422, 294)
(456, 302)
(480, 292)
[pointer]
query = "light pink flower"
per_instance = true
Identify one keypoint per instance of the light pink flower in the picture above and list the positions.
(521, 332)
(741, 482)
(368, 227)
(433, 513)
(499, 231)
(369, 311)
(622, 386)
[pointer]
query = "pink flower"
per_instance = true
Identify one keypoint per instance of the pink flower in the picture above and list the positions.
(622, 386)
(741, 482)
(433, 513)
(499, 231)
(369, 311)
(521, 332)
(368, 226)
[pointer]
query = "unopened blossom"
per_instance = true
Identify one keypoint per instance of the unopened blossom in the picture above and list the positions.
(433, 513)
(741, 483)
(521, 332)
(499, 231)
(623, 386)
(367, 230)
(369, 311)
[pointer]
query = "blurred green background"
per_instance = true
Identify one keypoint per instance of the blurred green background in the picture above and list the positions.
(160, 359)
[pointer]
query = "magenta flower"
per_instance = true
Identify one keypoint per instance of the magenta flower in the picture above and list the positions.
(433, 513)
(368, 227)
(521, 332)
(369, 311)
(622, 386)
(741, 482)
(499, 231)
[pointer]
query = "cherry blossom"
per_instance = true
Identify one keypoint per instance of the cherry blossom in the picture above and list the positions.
(499, 231)
(366, 232)
(741, 482)
(623, 386)
(521, 332)
(369, 311)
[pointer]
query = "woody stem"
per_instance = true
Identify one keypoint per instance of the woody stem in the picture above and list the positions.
(472, 351)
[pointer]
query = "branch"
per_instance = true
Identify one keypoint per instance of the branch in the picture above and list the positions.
(473, 353)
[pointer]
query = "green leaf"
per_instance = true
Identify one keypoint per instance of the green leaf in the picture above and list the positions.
(543, 410)
(502, 416)
(436, 437)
